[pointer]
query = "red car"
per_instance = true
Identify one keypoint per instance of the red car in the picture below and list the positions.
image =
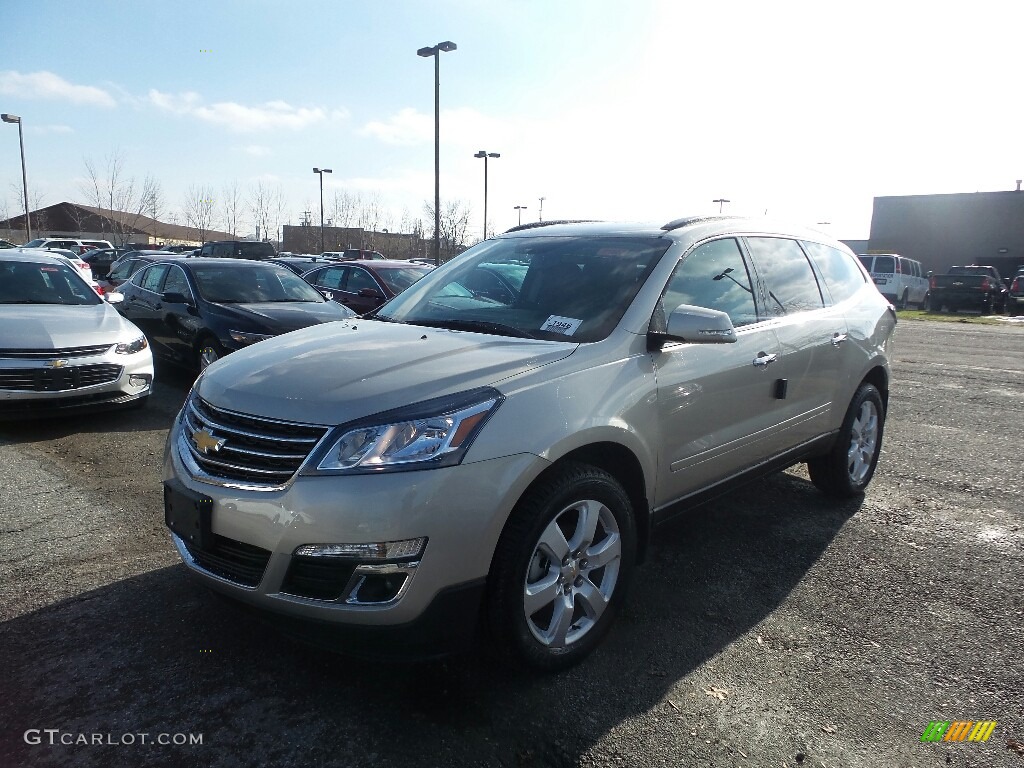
(363, 286)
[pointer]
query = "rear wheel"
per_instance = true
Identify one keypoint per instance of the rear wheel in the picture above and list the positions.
(902, 303)
(848, 468)
(561, 567)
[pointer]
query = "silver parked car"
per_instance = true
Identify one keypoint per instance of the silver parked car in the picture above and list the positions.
(463, 457)
(62, 347)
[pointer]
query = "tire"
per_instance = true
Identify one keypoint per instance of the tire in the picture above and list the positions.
(848, 468)
(1011, 308)
(930, 305)
(549, 605)
(208, 351)
(902, 303)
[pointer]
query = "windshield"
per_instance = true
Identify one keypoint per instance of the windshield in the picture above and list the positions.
(25, 282)
(252, 284)
(558, 288)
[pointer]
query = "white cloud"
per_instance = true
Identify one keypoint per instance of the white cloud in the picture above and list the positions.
(241, 118)
(46, 85)
(256, 150)
(408, 127)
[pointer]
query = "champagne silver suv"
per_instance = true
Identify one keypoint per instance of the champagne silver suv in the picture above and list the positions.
(470, 458)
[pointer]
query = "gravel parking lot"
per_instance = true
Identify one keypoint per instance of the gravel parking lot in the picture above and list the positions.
(770, 628)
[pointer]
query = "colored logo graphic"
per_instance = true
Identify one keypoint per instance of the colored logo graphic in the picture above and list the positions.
(959, 730)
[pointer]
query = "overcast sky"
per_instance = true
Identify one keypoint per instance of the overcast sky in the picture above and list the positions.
(608, 109)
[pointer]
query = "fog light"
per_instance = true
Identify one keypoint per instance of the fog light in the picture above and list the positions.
(139, 380)
(378, 588)
(387, 550)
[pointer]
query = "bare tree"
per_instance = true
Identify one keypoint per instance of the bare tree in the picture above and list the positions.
(277, 211)
(454, 224)
(120, 199)
(259, 207)
(231, 205)
(343, 208)
(199, 207)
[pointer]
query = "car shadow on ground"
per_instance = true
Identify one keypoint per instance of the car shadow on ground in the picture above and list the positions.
(158, 653)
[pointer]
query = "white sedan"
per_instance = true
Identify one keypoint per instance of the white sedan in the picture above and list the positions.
(63, 348)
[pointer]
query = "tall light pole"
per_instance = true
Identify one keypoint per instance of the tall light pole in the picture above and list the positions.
(24, 178)
(520, 208)
(485, 154)
(540, 211)
(320, 172)
(435, 50)
(721, 201)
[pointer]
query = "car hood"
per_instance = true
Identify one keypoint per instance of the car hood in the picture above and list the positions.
(55, 326)
(285, 316)
(334, 373)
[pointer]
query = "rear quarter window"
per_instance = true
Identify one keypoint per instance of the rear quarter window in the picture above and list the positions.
(838, 269)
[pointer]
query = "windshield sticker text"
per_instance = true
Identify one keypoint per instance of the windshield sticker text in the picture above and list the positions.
(563, 325)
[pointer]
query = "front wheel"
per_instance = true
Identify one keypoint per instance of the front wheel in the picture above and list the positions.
(561, 567)
(848, 468)
(208, 353)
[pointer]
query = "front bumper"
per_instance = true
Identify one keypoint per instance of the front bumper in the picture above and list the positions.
(460, 512)
(34, 388)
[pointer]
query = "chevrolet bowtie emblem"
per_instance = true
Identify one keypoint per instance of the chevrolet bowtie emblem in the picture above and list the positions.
(206, 442)
(57, 363)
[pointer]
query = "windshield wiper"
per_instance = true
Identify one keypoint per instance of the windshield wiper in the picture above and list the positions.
(477, 325)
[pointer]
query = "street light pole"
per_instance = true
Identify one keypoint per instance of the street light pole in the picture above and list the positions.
(320, 172)
(435, 51)
(540, 212)
(520, 208)
(24, 178)
(721, 201)
(485, 154)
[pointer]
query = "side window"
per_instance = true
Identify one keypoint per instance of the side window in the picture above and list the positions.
(713, 275)
(153, 277)
(358, 279)
(207, 250)
(787, 275)
(121, 271)
(177, 282)
(839, 270)
(222, 249)
(331, 278)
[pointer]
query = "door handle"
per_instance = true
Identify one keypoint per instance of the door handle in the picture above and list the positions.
(763, 361)
(838, 338)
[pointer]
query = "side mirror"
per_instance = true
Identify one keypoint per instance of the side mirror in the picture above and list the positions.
(113, 297)
(370, 293)
(698, 325)
(173, 297)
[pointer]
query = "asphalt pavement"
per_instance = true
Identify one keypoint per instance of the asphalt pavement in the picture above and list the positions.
(772, 627)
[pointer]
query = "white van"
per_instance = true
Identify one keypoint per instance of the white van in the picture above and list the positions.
(901, 280)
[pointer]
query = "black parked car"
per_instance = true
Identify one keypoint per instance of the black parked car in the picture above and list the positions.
(363, 286)
(302, 264)
(128, 263)
(238, 249)
(197, 310)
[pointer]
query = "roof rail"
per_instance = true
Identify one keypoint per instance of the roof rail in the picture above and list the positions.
(535, 224)
(687, 220)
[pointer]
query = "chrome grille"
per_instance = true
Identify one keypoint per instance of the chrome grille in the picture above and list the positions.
(58, 379)
(54, 354)
(254, 450)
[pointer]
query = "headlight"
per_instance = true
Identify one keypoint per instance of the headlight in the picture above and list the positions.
(249, 338)
(435, 433)
(130, 348)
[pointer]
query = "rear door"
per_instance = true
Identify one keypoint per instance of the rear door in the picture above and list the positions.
(810, 336)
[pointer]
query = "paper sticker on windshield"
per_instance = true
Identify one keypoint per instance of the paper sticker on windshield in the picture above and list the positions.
(563, 325)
